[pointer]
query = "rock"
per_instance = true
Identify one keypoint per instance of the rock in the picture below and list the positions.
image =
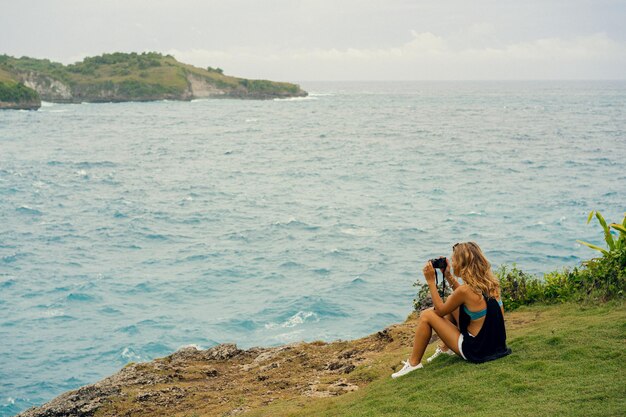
(334, 366)
(146, 396)
(384, 336)
(348, 354)
(318, 390)
(186, 353)
(343, 367)
(268, 367)
(20, 105)
(348, 368)
(222, 352)
(271, 353)
(82, 402)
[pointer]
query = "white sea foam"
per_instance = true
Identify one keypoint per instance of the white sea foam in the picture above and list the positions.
(54, 313)
(299, 318)
(47, 104)
(296, 98)
(129, 354)
(358, 231)
(191, 345)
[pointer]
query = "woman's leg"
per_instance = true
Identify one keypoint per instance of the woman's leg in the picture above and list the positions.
(454, 319)
(429, 321)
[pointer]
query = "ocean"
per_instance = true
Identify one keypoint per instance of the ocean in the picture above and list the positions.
(129, 230)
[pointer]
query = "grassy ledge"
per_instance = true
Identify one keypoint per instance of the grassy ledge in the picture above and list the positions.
(567, 359)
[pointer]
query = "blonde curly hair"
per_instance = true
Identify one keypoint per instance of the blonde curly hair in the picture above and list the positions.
(471, 265)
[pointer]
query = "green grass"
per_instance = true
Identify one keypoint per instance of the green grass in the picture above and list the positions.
(568, 360)
(6, 77)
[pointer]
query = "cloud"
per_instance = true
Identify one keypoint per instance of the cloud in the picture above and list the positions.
(427, 56)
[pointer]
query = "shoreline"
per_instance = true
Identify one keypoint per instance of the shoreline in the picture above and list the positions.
(219, 376)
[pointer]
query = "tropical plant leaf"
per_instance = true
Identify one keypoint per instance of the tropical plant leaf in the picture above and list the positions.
(619, 227)
(621, 242)
(608, 237)
(590, 216)
(595, 247)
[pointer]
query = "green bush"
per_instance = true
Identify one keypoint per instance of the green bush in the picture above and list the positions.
(218, 70)
(605, 277)
(17, 92)
(423, 299)
(518, 288)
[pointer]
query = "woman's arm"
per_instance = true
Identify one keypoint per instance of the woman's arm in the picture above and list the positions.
(448, 275)
(452, 302)
(451, 279)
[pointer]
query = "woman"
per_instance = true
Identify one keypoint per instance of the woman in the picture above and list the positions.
(474, 305)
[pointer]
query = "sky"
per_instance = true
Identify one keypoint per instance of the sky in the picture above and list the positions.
(307, 40)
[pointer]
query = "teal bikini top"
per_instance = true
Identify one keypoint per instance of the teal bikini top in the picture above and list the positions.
(475, 315)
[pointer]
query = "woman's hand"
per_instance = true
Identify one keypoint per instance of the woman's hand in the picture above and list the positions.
(429, 272)
(446, 271)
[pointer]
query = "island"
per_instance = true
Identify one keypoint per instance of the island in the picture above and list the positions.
(120, 77)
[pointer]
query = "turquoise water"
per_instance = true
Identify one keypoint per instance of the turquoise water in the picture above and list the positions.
(129, 230)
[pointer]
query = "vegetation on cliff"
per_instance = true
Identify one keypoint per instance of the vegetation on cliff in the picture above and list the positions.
(135, 77)
(14, 94)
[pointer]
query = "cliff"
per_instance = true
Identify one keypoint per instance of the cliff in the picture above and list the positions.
(121, 77)
(225, 380)
(567, 360)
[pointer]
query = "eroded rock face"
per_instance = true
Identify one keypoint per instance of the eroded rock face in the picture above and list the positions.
(199, 87)
(222, 380)
(82, 402)
(48, 88)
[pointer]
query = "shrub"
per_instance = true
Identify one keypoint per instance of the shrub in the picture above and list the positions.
(518, 288)
(605, 277)
(423, 300)
(218, 70)
(17, 92)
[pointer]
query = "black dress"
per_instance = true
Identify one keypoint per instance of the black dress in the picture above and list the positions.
(490, 342)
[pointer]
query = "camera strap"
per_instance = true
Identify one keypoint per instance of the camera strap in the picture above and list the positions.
(443, 283)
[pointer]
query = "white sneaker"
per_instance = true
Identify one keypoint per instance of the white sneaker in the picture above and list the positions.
(440, 352)
(406, 369)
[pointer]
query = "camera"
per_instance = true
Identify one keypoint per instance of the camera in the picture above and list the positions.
(439, 263)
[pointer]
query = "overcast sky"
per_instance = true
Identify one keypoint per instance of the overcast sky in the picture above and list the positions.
(300, 40)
